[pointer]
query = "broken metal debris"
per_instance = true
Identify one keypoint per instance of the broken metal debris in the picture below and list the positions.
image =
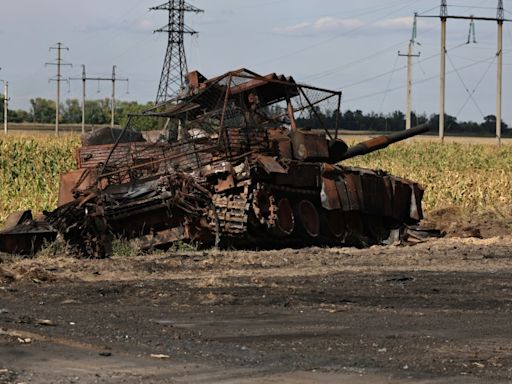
(236, 167)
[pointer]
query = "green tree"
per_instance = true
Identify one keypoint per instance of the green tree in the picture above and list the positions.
(97, 111)
(20, 116)
(125, 109)
(42, 110)
(72, 112)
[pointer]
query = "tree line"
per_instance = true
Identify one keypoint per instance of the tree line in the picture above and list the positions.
(395, 121)
(98, 112)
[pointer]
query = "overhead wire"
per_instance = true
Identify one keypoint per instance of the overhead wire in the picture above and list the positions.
(401, 68)
(328, 72)
(387, 88)
(417, 81)
(476, 87)
(389, 83)
(464, 84)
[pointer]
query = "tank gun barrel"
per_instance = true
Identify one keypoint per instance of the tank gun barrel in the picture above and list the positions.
(381, 142)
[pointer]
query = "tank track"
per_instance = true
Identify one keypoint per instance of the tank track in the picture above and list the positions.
(231, 211)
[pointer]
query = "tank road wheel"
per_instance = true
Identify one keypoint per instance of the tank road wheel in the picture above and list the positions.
(334, 224)
(308, 218)
(285, 220)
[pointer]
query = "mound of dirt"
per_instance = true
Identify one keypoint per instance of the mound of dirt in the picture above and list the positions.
(457, 223)
(6, 276)
(19, 272)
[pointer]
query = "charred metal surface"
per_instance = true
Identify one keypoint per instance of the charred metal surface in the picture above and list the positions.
(236, 168)
(23, 235)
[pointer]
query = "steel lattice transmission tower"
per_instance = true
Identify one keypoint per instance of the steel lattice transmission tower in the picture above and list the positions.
(175, 63)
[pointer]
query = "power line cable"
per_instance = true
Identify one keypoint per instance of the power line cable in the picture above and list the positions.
(476, 87)
(417, 82)
(328, 72)
(387, 89)
(418, 61)
(464, 84)
(389, 83)
(401, 68)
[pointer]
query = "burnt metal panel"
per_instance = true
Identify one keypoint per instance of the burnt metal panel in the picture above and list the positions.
(402, 200)
(416, 196)
(301, 175)
(77, 179)
(17, 218)
(329, 194)
(346, 204)
(270, 165)
(388, 197)
(355, 191)
(309, 146)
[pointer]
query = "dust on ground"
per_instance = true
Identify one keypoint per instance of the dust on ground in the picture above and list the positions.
(436, 312)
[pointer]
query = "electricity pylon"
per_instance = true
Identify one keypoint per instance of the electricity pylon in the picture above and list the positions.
(175, 63)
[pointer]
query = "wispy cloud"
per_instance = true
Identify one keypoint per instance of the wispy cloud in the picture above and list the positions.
(398, 23)
(142, 25)
(332, 24)
(135, 26)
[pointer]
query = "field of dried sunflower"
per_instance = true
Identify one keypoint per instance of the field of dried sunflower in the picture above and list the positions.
(472, 177)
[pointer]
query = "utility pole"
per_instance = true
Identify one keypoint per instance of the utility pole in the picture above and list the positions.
(175, 63)
(58, 63)
(6, 104)
(114, 79)
(84, 80)
(500, 19)
(409, 56)
(500, 16)
(442, 97)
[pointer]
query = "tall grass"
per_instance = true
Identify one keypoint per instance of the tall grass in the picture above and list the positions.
(472, 177)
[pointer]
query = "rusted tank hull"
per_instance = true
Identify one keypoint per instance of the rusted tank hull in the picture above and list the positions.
(326, 205)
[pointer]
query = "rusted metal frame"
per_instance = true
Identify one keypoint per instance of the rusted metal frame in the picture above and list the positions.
(301, 108)
(132, 150)
(157, 161)
(283, 82)
(198, 158)
(218, 79)
(239, 88)
(337, 117)
(187, 101)
(247, 126)
(290, 111)
(116, 143)
(229, 158)
(316, 114)
(222, 129)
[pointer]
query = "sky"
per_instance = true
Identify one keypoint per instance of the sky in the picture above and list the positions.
(350, 46)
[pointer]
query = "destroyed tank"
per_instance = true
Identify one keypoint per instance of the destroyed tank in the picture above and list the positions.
(236, 166)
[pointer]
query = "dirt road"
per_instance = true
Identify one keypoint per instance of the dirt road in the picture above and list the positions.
(438, 312)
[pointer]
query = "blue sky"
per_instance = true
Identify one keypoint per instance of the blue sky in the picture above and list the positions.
(337, 44)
